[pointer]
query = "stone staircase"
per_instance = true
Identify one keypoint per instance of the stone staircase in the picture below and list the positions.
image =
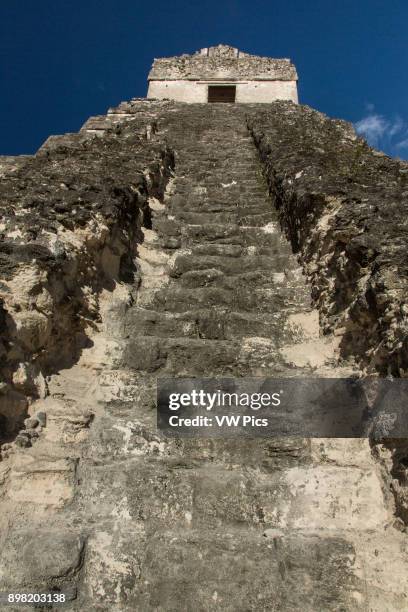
(222, 286)
(148, 523)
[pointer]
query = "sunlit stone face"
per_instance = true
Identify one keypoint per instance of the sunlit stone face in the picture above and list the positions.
(193, 78)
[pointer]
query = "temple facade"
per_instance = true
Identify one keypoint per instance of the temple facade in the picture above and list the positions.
(222, 74)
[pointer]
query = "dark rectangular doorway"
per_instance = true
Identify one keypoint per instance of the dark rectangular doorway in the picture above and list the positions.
(221, 93)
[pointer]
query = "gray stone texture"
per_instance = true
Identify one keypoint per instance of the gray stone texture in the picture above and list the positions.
(201, 282)
(231, 62)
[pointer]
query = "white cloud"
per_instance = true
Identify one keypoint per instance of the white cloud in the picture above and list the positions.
(373, 127)
(397, 126)
(387, 134)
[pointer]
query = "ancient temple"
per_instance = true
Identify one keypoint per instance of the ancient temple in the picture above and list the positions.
(173, 240)
(222, 74)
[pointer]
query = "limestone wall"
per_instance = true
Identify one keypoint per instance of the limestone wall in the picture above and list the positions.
(178, 90)
(247, 91)
(258, 79)
(267, 91)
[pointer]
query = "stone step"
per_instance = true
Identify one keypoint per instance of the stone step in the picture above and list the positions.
(129, 429)
(184, 492)
(279, 249)
(212, 232)
(256, 219)
(230, 569)
(220, 167)
(223, 199)
(218, 250)
(254, 297)
(217, 153)
(264, 455)
(223, 172)
(206, 204)
(237, 181)
(178, 356)
(193, 264)
(43, 556)
(266, 235)
(213, 277)
(202, 218)
(217, 190)
(144, 322)
(249, 235)
(185, 356)
(284, 327)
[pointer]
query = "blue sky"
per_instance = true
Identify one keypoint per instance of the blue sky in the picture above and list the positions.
(64, 60)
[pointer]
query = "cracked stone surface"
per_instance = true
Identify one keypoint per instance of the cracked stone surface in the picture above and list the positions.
(99, 504)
